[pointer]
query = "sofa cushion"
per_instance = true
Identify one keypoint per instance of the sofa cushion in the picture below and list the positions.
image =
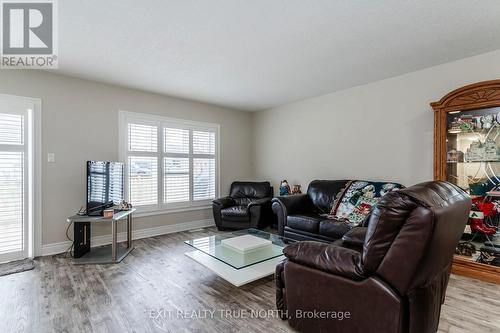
(256, 190)
(305, 222)
(245, 192)
(323, 193)
(236, 213)
(333, 228)
(304, 235)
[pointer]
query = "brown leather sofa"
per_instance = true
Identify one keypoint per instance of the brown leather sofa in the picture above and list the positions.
(390, 276)
(300, 216)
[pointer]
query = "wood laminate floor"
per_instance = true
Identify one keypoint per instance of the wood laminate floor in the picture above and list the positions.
(156, 288)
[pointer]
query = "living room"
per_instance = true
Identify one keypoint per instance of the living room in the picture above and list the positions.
(187, 166)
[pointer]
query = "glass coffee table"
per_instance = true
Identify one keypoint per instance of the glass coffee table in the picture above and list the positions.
(241, 256)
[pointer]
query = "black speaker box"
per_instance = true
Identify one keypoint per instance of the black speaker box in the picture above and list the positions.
(81, 243)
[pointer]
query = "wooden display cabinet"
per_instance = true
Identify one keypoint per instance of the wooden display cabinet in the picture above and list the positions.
(467, 153)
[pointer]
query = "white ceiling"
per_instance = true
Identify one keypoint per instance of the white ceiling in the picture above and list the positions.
(257, 54)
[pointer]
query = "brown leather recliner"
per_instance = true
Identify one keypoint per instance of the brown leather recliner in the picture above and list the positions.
(247, 206)
(390, 277)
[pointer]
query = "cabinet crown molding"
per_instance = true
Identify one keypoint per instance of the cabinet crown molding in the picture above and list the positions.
(473, 96)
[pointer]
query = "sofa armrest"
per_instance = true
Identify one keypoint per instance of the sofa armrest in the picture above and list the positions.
(224, 202)
(355, 236)
(217, 206)
(326, 257)
(260, 213)
(260, 202)
(292, 204)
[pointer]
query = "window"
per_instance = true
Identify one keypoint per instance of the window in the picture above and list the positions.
(170, 163)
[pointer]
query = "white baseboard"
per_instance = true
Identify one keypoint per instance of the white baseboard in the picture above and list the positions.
(56, 248)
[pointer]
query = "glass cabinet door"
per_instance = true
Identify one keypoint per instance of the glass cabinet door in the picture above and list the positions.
(473, 163)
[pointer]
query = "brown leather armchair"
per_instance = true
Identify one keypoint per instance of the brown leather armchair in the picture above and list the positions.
(390, 276)
(247, 206)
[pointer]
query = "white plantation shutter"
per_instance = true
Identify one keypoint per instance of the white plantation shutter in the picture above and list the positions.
(143, 167)
(12, 183)
(142, 138)
(204, 165)
(204, 178)
(176, 180)
(143, 180)
(11, 129)
(11, 201)
(176, 140)
(203, 142)
(171, 163)
(176, 165)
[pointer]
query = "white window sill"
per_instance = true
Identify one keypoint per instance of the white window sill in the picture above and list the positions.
(144, 213)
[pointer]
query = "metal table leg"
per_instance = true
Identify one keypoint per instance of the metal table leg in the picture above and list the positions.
(129, 231)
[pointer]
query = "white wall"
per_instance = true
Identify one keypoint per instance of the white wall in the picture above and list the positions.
(80, 123)
(378, 131)
(382, 130)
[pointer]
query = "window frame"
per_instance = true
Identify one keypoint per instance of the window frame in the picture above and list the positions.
(162, 122)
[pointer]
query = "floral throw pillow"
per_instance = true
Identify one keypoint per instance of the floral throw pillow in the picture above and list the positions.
(358, 200)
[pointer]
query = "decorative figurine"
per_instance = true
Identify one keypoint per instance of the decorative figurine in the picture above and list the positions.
(487, 121)
(465, 249)
(490, 150)
(466, 123)
(479, 211)
(480, 152)
(284, 188)
(454, 156)
(475, 152)
(477, 122)
(296, 189)
(479, 187)
(466, 126)
(455, 126)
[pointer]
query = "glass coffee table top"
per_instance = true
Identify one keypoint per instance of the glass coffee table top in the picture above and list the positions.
(212, 246)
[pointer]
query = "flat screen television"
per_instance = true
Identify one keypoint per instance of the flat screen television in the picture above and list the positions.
(104, 186)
